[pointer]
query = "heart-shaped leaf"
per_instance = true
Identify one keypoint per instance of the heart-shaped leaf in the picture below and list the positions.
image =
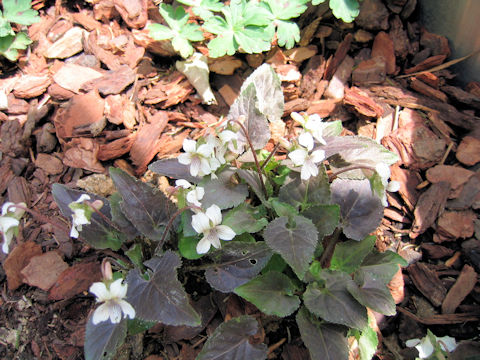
(305, 193)
(162, 297)
(325, 217)
(349, 255)
(323, 341)
(146, 208)
(245, 218)
(373, 294)
(333, 302)
(273, 293)
(251, 178)
(223, 191)
(236, 263)
(296, 243)
(119, 218)
(173, 169)
(99, 234)
(103, 340)
(361, 211)
(381, 266)
(230, 340)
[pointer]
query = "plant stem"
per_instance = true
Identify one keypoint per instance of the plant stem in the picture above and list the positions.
(356, 167)
(257, 164)
(270, 156)
(327, 254)
(104, 218)
(170, 222)
(41, 217)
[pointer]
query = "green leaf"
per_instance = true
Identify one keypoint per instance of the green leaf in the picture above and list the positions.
(135, 255)
(348, 256)
(316, 2)
(325, 217)
(251, 178)
(9, 45)
(305, 193)
(145, 207)
(367, 342)
(103, 340)
(381, 266)
(361, 211)
(276, 263)
(183, 46)
(236, 263)
(273, 293)
(296, 243)
(187, 245)
(160, 32)
(20, 12)
(230, 340)
(192, 32)
(162, 297)
(283, 209)
(223, 191)
(288, 33)
(175, 17)
(5, 27)
(286, 9)
(333, 302)
(347, 10)
(323, 341)
(246, 218)
(137, 326)
(99, 234)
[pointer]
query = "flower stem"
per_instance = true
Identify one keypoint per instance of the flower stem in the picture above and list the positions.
(170, 222)
(329, 248)
(257, 164)
(334, 175)
(41, 217)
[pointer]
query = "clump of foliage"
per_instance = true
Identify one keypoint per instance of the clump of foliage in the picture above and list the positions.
(244, 25)
(288, 236)
(17, 12)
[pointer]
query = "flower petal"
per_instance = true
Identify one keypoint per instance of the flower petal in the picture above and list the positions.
(298, 118)
(189, 145)
(298, 156)
(82, 198)
(205, 150)
(317, 156)
(7, 222)
(74, 232)
(205, 168)
(184, 158)
(195, 165)
(214, 214)
(99, 289)
(5, 207)
(383, 170)
(118, 289)
(393, 186)
(115, 311)
(225, 232)
(306, 139)
(183, 183)
(127, 309)
(102, 313)
(203, 246)
(200, 223)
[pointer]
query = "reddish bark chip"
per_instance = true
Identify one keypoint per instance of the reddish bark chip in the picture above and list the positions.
(17, 260)
(49, 163)
(74, 280)
(43, 270)
(427, 282)
(456, 224)
(383, 48)
(468, 151)
(458, 292)
(456, 176)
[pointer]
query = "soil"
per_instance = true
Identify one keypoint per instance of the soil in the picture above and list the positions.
(95, 91)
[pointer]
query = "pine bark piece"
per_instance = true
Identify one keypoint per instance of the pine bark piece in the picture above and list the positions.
(456, 224)
(82, 153)
(427, 64)
(116, 148)
(17, 260)
(428, 283)
(133, 12)
(454, 175)
(112, 83)
(429, 204)
(147, 143)
(383, 48)
(19, 191)
(458, 292)
(43, 270)
(30, 86)
(371, 71)
(336, 87)
(408, 183)
(312, 75)
(468, 151)
(427, 90)
(373, 15)
(362, 103)
(49, 163)
(69, 44)
(339, 57)
(468, 196)
(435, 251)
(169, 91)
(226, 65)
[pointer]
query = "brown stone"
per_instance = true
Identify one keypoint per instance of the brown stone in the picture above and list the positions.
(49, 163)
(372, 71)
(468, 152)
(383, 48)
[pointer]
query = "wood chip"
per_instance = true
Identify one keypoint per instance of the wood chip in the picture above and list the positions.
(465, 283)
(456, 176)
(30, 86)
(49, 163)
(17, 260)
(72, 76)
(69, 44)
(468, 152)
(43, 270)
(453, 225)
(427, 282)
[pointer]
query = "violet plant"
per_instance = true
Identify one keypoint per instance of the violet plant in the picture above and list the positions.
(290, 236)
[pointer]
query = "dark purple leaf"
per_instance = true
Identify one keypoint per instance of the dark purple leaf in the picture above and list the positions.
(230, 340)
(295, 243)
(323, 341)
(102, 340)
(361, 211)
(372, 293)
(325, 217)
(251, 178)
(162, 297)
(145, 207)
(223, 191)
(173, 169)
(237, 263)
(333, 302)
(99, 234)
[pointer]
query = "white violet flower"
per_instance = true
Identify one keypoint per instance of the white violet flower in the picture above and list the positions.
(308, 162)
(235, 141)
(193, 196)
(113, 304)
(312, 124)
(426, 348)
(9, 222)
(201, 158)
(82, 213)
(383, 170)
(208, 224)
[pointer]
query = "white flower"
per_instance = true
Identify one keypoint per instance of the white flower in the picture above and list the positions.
(208, 224)
(425, 347)
(9, 222)
(193, 196)
(79, 216)
(201, 159)
(308, 162)
(383, 170)
(313, 124)
(113, 304)
(183, 183)
(235, 141)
